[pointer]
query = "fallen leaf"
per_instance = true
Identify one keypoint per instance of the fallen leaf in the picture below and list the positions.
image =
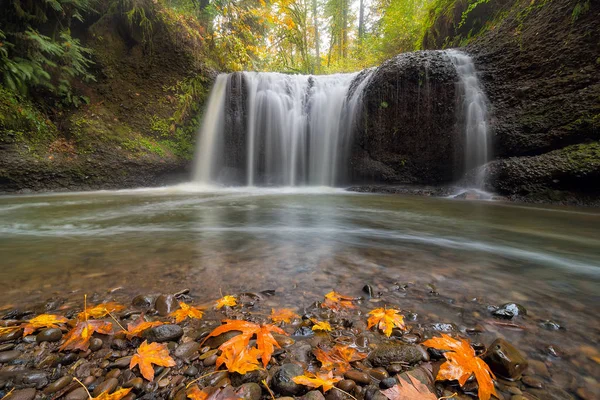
(338, 358)
(117, 395)
(79, 337)
(321, 326)
(100, 311)
(43, 321)
(225, 393)
(462, 363)
(320, 379)
(264, 339)
(403, 390)
(148, 354)
(386, 320)
(195, 393)
(229, 301)
(239, 358)
(7, 329)
(283, 315)
(186, 311)
(137, 327)
(336, 301)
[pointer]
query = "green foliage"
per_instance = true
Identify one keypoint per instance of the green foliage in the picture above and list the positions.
(20, 120)
(472, 6)
(581, 8)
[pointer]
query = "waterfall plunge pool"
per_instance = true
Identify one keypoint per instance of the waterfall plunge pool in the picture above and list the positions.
(445, 260)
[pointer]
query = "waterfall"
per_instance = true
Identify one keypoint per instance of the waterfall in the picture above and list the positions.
(294, 130)
(474, 116)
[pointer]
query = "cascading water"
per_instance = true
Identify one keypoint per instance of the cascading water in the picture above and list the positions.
(297, 129)
(474, 116)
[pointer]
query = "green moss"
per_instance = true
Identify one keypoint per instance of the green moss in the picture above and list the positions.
(583, 157)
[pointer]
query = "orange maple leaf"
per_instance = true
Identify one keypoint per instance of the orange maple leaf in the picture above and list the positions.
(239, 358)
(336, 301)
(264, 339)
(320, 379)
(338, 358)
(100, 311)
(186, 311)
(195, 393)
(148, 354)
(137, 327)
(386, 320)
(404, 390)
(229, 301)
(283, 315)
(43, 321)
(225, 393)
(79, 337)
(462, 363)
(321, 326)
(117, 395)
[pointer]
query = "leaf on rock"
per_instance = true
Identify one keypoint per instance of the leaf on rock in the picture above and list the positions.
(186, 311)
(229, 301)
(320, 379)
(117, 395)
(264, 339)
(283, 315)
(43, 321)
(79, 337)
(101, 310)
(336, 301)
(148, 354)
(321, 326)
(386, 320)
(137, 327)
(461, 363)
(403, 390)
(226, 393)
(194, 393)
(338, 358)
(8, 329)
(239, 358)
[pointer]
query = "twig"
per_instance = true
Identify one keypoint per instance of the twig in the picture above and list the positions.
(83, 386)
(114, 319)
(264, 382)
(200, 377)
(343, 391)
(8, 394)
(448, 397)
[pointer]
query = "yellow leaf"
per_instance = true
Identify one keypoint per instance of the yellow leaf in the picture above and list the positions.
(283, 315)
(186, 311)
(320, 379)
(43, 321)
(101, 310)
(229, 301)
(462, 363)
(238, 358)
(136, 328)
(321, 326)
(117, 395)
(336, 301)
(148, 354)
(79, 337)
(386, 320)
(338, 358)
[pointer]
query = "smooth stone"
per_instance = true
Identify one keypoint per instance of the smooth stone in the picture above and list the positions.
(96, 344)
(187, 350)
(283, 340)
(211, 360)
(59, 384)
(142, 301)
(378, 373)
(166, 304)
(505, 360)
(122, 362)
(68, 359)
(249, 391)
(282, 380)
(346, 385)
(13, 335)
(387, 383)
(509, 311)
(191, 371)
(23, 394)
(358, 377)
(8, 356)
(107, 386)
(163, 333)
(113, 373)
(313, 395)
(532, 382)
(77, 394)
(252, 376)
(135, 383)
(387, 354)
(7, 346)
(118, 344)
(49, 335)
(217, 341)
(539, 368)
(37, 378)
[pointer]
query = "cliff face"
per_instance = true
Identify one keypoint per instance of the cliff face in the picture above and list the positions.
(539, 63)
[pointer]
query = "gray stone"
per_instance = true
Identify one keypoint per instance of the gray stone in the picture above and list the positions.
(387, 354)
(282, 380)
(163, 333)
(49, 335)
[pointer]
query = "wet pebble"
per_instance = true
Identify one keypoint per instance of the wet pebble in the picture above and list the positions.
(122, 362)
(49, 335)
(135, 383)
(37, 378)
(378, 373)
(5, 337)
(142, 301)
(191, 371)
(249, 391)
(23, 394)
(68, 358)
(550, 325)
(387, 354)
(166, 304)
(119, 344)
(387, 383)
(107, 386)
(187, 350)
(113, 373)
(7, 346)
(77, 394)
(358, 377)
(505, 360)
(163, 333)
(96, 344)
(532, 382)
(282, 380)
(8, 356)
(313, 395)
(211, 360)
(58, 384)
(509, 311)
(347, 385)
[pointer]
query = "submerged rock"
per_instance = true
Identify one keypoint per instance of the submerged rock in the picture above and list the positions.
(282, 380)
(387, 354)
(505, 360)
(509, 310)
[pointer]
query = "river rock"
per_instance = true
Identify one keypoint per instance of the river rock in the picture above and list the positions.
(187, 350)
(107, 386)
(77, 394)
(166, 304)
(5, 337)
(314, 395)
(135, 383)
(509, 311)
(163, 333)
(216, 341)
(59, 384)
(387, 354)
(346, 385)
(505, 360)
(96, 344)
(39, 379)
(23, 394)
(252, 376)
(7, 356)
(49, 335)
(249, 391)
(282, 380)
(143, 301)
(358, 377)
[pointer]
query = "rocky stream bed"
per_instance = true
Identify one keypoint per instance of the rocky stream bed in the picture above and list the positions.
(33, 367)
